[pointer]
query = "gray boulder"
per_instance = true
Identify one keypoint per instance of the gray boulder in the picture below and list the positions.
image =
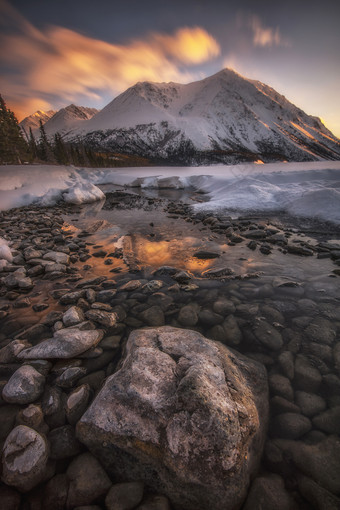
(66, 343)
(183, 414)
(24, 458)
(24, 387)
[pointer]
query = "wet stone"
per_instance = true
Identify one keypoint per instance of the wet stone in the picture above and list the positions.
(309, 403)
(73, 316)
(106, 319)
(268, 335)
(153, 316)
(124, 496)
(24, 458)
(63, 443)
(290, 425)
(24, 387)
(187, 316)
(88, 480)
(328, 421)
(76, 403)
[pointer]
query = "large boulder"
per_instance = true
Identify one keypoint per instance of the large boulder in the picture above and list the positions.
(184, 414)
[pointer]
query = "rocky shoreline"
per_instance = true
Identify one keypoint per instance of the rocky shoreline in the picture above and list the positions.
(65, 330)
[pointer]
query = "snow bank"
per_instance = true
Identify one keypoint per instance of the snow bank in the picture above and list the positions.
(5, 252)
(44, 185)
(83, 193)
(306, 189)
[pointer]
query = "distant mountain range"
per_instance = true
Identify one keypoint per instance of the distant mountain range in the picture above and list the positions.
(223, 118)
(62, 121)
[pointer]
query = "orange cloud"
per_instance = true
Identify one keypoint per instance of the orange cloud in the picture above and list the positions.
(265, 36)
(63, 63)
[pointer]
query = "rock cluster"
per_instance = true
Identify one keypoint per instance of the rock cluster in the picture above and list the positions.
(64, 329)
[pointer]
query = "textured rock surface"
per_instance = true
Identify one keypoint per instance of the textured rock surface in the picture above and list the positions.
(66, 343)
(24, 458)
(185, 415)
(24, 387)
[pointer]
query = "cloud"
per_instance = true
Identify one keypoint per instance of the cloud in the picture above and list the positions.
(58, 63)
(265, 36)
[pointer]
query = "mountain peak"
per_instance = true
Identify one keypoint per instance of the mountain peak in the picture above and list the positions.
(222, 118)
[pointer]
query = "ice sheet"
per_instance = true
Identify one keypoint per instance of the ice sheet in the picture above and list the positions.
(305, 189)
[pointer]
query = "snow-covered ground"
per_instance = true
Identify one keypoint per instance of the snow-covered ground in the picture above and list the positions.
(305, 189)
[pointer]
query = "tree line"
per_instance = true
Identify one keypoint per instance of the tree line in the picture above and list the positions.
(17, 149)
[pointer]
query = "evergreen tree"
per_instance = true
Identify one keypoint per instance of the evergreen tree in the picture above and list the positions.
(13, 147)
(44, 146)
(32, 146)
(59, 150)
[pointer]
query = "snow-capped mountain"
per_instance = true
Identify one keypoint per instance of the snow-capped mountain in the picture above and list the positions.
(63, 121)
(222, 118)
(33, 121)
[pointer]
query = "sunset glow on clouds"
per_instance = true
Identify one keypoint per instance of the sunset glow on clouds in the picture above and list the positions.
(63, 62)
(57, 53)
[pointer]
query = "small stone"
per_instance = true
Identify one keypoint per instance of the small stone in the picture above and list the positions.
(310, 403)
(24, 458)
(268, 335)
(58, 257)
(280, 385)
(268, 492)
(40, 307)
(55, 493)
(63, 443)
(224, 306)
(88, 480)
(24, 387)
(204, 254)
(290, 425)
(187, 316)
(124, 496)
(286, 361)
(32, 416)
(130, 286)
(106, 319)
(299, 250)
(328, 421)
(8, 354)
(153, 316)
(76, 403)
(182, 277)
(319, 497)
(66, 343)
(156, 502)
(73, 316)
(69, 377)
(307, 377)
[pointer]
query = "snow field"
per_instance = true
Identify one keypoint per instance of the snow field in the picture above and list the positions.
(303, 189)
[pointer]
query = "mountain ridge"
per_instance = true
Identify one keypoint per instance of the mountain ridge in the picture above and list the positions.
(222, 118)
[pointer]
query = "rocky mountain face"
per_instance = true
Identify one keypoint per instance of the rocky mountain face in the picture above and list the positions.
(223, 118)
(62, 121)
(33, 121)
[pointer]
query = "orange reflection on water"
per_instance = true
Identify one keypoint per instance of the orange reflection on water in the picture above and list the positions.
(173, 253)
(155, 253)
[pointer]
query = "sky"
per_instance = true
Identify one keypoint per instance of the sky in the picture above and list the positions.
(54, 53)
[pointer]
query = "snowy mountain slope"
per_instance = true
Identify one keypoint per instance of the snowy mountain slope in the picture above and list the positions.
(68, 119)
(62, 121)
(225, 117)
(33, 121)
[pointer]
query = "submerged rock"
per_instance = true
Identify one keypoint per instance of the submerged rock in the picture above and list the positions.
(183, 414)
(66, 343)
